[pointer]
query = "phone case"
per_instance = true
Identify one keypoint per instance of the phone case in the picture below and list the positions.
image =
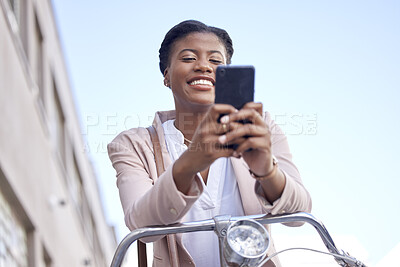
(234, 85)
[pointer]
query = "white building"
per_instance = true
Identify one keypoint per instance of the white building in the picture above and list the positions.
(50, 208)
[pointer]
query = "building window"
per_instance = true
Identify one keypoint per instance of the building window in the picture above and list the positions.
(98, 254)
(59, 126)
(86, 220)
(13, 237)
(47, 262)
(76, 187)
(37, 62)
(15, 7)
(19, 19)
(77, 192)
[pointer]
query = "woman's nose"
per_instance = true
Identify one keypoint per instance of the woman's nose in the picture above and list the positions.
(203, 66)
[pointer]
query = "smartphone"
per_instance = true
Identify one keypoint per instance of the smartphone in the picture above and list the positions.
(234, 85)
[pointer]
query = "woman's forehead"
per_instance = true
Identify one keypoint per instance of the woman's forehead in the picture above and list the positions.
(199, 41)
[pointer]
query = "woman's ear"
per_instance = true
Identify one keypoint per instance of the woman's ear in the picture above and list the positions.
(166, 79)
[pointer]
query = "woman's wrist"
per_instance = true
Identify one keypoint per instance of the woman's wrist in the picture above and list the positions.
(182, 175)
(270, 174)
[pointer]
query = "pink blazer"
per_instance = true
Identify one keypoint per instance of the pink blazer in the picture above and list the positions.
(150, 200)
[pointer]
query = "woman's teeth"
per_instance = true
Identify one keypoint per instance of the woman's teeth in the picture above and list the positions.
(203, 82)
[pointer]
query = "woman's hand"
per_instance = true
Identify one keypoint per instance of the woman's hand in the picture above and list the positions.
(205, 144)
(253, 139)
(205, 147)
(254, 144)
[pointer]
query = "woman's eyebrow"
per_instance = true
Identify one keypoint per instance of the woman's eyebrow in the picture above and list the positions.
(188, 50)
(216, 51)
(196, 51)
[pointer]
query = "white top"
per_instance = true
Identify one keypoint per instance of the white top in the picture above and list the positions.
(220, 196)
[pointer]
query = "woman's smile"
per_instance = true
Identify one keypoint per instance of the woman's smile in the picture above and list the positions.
(202, 83)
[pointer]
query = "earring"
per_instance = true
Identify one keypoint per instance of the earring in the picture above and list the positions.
(166, 83)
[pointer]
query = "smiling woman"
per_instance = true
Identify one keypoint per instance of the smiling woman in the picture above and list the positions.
(197, 175)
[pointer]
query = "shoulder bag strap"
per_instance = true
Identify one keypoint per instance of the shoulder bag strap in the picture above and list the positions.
(171, 239)
(142, 254)
(157, 150)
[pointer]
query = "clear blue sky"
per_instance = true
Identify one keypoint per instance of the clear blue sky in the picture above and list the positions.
(329, 71)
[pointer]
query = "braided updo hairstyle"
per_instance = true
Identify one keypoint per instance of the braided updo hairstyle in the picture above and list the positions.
(183, 29)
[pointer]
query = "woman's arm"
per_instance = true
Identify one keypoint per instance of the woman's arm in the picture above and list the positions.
(144, 201)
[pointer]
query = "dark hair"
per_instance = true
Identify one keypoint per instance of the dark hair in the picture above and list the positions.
(183, 29)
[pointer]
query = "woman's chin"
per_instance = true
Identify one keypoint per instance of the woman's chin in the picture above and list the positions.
(202, 104)
(207, 101)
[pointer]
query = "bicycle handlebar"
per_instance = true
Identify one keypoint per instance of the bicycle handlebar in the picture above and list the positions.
(211, 225)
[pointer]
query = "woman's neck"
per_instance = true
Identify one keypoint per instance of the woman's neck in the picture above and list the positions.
(187, 122)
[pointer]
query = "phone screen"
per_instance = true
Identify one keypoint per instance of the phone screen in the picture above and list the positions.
(234, 85)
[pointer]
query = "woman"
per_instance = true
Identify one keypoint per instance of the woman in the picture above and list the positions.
(203, 177)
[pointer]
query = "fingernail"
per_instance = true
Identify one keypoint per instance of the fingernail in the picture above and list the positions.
(222, 139)
(225, 119)
(235, 154)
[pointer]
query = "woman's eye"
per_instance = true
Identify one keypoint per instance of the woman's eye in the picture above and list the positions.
(188, 59)
(216, 61)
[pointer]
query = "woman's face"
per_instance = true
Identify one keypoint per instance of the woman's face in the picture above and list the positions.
(191, 72)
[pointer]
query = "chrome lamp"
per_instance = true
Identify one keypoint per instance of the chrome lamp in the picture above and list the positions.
(245, 244)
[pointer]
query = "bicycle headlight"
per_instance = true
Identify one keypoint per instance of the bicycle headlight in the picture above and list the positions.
(246, 243)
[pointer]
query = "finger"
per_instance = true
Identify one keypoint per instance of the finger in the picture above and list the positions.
(235, 125)
(223, 150)
(253, 143)
(253, 105)
(232, 126)
(221, 128)
(247, 130)
(237, 141)
(210, 124)
(228, 127)
(251, 115)
(228, 150)
(219, 109)
(225, 127)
